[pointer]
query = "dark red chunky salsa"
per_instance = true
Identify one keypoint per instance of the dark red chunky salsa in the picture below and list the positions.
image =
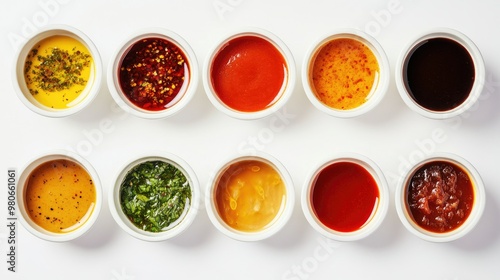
(440, 196)
(152, 73)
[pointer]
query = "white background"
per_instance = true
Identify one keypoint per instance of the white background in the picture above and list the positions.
(391, 135)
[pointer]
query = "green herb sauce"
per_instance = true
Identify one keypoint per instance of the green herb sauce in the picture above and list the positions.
(154, 194)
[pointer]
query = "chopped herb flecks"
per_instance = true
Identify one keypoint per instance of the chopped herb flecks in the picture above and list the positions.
(154, 194)
(56, 70)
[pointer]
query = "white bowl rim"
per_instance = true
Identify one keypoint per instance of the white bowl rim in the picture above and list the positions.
(280, 220)
(18, 77)
(280, 46)
(129, 227)
(384, 78)
(474, 216)
(131, 39)
(479, 67)
(21, 184)
(382, 207)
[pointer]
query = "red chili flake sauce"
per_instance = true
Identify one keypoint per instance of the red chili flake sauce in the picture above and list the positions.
(440, 196)
(344, 196)
(248, 73)
(153, 72)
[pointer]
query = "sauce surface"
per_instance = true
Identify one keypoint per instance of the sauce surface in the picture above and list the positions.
(249, 195)
(248, 74)
(344, 196)
(440, 196)
(60, 196)
(344, 73)
(439, 74)
(154, 195)
(57, 71)
(154, 73)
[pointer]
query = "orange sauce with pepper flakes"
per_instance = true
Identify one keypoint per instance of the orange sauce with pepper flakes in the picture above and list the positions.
(60, 196)
(344, 73)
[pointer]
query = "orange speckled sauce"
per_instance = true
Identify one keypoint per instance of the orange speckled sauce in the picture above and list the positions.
(344, 73)
(60, 195)
(250, 195)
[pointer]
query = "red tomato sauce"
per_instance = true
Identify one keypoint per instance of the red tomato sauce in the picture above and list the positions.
(344, 196)
(248, 73)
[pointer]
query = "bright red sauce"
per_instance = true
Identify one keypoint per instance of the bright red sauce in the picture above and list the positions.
(248, 73)
(344, 196)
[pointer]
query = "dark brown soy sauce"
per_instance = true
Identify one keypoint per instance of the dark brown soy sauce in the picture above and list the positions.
(439, 74)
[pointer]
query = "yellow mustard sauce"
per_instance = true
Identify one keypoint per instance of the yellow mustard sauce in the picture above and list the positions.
(60, 196)
(57, 71)
(250, 195)
(344, 73)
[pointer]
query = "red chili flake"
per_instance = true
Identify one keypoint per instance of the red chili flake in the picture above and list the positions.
(152, 73)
